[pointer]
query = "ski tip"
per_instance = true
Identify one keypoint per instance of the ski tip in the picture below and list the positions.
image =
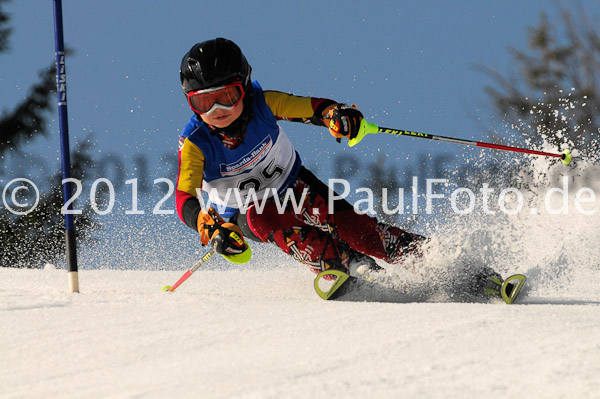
(337, 277)
(166, 288)
(515, 282)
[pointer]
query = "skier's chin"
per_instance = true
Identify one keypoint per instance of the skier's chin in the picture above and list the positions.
(222, 121)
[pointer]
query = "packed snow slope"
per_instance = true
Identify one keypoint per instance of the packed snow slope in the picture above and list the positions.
(263, 333)
(259, 331)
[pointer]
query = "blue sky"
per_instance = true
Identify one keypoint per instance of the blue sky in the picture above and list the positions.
(405, 64)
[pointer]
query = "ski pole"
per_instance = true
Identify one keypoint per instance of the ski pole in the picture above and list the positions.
(187, 274)
(371, 128)
(242, 257)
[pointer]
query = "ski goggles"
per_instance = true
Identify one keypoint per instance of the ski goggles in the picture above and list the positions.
(223, 97)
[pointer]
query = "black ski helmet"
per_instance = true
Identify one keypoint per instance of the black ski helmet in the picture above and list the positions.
(214, 63)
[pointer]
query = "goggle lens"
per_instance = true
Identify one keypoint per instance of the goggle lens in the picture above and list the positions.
(204, 101)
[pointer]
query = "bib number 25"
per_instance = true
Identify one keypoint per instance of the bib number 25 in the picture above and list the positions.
(270, 172)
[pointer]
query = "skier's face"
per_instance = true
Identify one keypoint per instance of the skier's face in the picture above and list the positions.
(222, 118)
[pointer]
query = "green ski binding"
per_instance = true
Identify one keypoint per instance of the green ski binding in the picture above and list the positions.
(340, 279)
(517, 281)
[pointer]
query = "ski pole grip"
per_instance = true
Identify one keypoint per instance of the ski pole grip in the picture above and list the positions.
(365, 128)
(242, 257)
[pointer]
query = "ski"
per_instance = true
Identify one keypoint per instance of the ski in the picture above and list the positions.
(336, 284)
(339, 280)
(511, 287)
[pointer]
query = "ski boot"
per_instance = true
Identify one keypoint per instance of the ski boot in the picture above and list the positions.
(361, 265)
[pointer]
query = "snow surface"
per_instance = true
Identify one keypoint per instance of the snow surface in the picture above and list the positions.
(263, 333)
(259, 330)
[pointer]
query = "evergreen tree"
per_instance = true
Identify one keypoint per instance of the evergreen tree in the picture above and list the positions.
(4, 30)
(555, 95)
(38, 237)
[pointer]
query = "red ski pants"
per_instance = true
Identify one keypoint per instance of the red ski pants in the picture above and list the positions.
(326, 238)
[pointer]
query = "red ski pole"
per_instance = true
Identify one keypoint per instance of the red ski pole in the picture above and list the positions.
(242, 257)
(371, 128)
(187, 274)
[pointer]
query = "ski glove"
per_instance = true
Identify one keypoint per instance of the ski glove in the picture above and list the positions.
(225, 238)
(344, 121)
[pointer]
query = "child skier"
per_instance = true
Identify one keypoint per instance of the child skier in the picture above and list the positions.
(233, 142)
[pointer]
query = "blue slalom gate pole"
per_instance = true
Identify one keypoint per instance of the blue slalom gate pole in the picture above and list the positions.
(61, 89)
